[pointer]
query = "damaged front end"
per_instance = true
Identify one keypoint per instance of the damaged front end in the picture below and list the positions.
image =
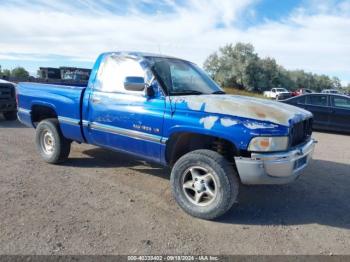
(275, 168)
(283, 166)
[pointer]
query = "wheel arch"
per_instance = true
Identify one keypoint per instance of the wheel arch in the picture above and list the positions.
(182, 142)
(40, 112)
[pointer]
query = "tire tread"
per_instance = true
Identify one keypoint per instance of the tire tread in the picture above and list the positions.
(63, 145)
(230, 179)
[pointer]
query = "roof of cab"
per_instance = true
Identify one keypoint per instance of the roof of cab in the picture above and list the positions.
(139, 54)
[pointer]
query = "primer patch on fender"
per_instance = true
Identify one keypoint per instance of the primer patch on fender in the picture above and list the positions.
(228, 122)
(208, 121)
(257, 125)
(246, 107)
(195, 105)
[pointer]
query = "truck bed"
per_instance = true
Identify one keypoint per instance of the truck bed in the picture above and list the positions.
(64, 101)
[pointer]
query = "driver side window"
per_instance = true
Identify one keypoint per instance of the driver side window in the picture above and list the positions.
(113, 71)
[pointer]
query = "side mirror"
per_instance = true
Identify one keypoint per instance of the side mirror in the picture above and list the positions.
(134, 83)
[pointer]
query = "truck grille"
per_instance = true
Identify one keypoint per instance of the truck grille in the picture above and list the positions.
(7, 92)
(301, 132)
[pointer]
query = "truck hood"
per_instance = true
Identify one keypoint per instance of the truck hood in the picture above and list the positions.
(243, 106)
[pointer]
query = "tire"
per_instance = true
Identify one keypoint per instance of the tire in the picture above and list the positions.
(53, 147)
(220, 179)
(12, 115)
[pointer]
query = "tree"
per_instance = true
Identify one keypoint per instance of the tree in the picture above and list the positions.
(239, 66)
(347, 88)
(5, 73)
(336, 82)
(271, 76)
(212, 64)
(19, 72)
(233, 65)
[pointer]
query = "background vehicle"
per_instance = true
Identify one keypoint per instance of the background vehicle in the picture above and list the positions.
(278, 93)
(301, 91)
(168, 110)
(331, 111)
(330, 91)
(8, 100)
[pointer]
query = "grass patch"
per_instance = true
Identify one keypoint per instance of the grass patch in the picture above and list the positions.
(235, 91)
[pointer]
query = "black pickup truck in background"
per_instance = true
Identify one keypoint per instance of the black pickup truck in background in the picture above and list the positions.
(8, 105)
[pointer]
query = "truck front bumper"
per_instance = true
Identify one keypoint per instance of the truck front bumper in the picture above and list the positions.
(275, 168)
(6, 106)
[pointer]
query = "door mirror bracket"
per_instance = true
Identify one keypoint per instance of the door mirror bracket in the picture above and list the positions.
(149, 91)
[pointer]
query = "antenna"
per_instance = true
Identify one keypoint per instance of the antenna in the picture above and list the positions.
(160, 52)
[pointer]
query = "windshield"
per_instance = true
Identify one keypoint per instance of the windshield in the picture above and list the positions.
(181, 77)
(281, 90)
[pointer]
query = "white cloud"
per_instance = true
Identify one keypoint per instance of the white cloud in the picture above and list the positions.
(315, 39)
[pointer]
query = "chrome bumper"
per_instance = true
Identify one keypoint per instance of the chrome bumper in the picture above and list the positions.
(275, 168)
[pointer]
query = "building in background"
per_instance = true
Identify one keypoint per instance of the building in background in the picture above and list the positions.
(49, 73)
(64, 73)
(74, 73)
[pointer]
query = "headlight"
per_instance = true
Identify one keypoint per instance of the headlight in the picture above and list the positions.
(268, 144)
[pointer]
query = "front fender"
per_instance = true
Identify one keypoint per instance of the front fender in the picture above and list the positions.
(238, 131)
(175, 130)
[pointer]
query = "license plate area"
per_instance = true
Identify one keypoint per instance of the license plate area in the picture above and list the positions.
(300, 162)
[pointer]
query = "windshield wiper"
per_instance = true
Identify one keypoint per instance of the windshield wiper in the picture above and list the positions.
(187, 92)
(219, 92)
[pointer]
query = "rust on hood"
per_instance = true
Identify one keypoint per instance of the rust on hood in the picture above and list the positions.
(246, 107)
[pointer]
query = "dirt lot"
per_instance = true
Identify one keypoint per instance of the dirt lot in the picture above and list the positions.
(101, 202)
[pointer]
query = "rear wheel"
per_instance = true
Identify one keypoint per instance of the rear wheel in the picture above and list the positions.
(204, 184)
(12, 115)
(53, 147)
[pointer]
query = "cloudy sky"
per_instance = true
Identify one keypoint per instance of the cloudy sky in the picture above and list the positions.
(301, 34)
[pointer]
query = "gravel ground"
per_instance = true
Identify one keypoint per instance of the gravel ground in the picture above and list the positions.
(102, 202)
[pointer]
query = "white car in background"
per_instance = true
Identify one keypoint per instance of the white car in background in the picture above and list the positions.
(278, 93)
(330, 91)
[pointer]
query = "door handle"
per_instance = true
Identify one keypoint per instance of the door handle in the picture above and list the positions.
(96, 100)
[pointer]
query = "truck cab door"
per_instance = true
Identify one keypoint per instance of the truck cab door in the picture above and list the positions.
(124, 120)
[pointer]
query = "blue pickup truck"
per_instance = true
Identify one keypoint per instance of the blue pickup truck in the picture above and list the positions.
(167, 110)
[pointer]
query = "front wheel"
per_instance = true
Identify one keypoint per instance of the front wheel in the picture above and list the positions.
(204, 184)
(53, 147)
